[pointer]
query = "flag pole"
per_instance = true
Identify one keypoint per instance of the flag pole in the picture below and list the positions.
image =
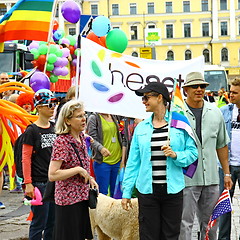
(170, 110)
(50, 31)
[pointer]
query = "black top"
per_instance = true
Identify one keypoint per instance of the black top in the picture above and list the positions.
(42, 141)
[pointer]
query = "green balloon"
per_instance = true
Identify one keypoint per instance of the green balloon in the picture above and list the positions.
(52, 58)
(49, 67)
(53, 78)
(35, 53)
(42, 43)
(52, 49)
(77, 50)
(116, 40)
(72, 39)
(59, 53)
(43, 49)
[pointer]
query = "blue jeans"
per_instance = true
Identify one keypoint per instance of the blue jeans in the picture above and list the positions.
(106, 175)
(43, 218)
(225, 220)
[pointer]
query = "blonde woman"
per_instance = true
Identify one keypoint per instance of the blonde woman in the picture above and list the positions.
(72, 181)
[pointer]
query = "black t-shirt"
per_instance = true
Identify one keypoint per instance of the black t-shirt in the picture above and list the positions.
(42, 142)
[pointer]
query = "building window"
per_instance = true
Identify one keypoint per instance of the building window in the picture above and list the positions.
(133, 8)
(238, 4)
(204, 5)
(188, 55)
(224, 30)
(187, 30)
(151, 26)
(134, 35)
(224, 55)
(56, 13)
(150, 7)
(72, 31)
(170, 55)
(206, 55)
(169, 30)
(3, 11)
(115, 9)
(223, 4)
(205, 29)
(186, 6)
(134, 54)
(168, 7)
(94, 9)
(239, 27)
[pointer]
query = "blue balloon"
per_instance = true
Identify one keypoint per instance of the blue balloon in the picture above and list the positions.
(58, 34)
(101, 26)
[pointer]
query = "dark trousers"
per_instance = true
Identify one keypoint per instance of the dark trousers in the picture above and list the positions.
(225, 219)
(160, 214)
(43, 218)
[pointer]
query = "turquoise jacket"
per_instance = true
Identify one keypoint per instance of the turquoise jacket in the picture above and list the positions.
(138, 171)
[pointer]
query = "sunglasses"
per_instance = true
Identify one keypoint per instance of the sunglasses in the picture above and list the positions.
(202, 86)
(49, 105)
(146, 97)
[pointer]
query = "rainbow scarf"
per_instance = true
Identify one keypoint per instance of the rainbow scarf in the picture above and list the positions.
(27, 20)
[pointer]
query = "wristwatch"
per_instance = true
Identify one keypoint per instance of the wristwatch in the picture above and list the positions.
(227, 175)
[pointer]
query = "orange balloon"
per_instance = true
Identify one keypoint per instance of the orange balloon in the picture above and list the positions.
(72, 49)
(55, 25)
(99, 40)
(41, 59)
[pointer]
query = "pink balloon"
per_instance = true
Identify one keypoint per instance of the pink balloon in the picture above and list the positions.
(57, 71)
(38, 198)
(58, 63)
(65, 41)
(64, 61)
(66, 52)
(64, 71)
(33, 44)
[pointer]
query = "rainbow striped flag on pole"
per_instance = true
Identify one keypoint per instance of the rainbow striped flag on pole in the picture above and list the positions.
(27, 20)
(179, 120)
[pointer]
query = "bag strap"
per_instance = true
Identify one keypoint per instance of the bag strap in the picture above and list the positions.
(76, 151)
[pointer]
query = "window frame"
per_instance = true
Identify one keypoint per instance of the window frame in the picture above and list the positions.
(208, 32)
(115, 9)
(150, 6)
(92, 12)
(168, 7)
(222, 30)
(133, 6)
(186, 6)
(169, 24)
(184, 30)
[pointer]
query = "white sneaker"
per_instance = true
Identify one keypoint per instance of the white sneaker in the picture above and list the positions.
(2, 206)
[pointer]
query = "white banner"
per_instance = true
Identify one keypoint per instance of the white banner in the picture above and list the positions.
(108, 79)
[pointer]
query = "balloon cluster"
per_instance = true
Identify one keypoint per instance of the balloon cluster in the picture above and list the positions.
(115, 39)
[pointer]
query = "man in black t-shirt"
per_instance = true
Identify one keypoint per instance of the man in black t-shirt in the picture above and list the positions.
(36, 154)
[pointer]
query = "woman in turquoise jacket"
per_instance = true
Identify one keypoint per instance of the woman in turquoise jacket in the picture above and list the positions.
(154, 167)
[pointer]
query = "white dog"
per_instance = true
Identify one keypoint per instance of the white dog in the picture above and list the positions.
(111, 221)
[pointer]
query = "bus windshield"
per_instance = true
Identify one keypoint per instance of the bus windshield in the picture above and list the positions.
(216, 79)
(6, 60)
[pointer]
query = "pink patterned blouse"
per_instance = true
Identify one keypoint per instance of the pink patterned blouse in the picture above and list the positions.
(73, 189)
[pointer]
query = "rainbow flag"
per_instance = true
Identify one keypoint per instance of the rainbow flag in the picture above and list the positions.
(179, 120)
(27, 20)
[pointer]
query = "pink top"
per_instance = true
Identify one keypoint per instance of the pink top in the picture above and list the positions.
(73, 189)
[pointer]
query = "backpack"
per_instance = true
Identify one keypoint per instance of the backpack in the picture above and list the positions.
(18, 150)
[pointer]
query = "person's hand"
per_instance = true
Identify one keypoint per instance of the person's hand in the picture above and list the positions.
(126, 204)
(29, 190)
(228, 182)
(168, 152)
(105, 152)
(93, 184)
(83, 173)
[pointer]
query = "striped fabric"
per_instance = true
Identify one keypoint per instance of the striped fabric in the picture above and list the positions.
(159, 138)
(27, 20)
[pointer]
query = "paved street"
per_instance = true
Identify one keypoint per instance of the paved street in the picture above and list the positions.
(13, 224)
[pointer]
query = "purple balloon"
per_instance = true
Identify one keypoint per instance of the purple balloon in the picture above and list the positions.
(33, 44)
(74, 62)
(66, 52)
(59, 62)
(71, 11)
(57, 71)
(64, 61)
(65, 41)
(64, 71)
(38, 81)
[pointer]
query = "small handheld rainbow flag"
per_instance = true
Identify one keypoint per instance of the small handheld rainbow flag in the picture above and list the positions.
(179, 120)
(27, 20)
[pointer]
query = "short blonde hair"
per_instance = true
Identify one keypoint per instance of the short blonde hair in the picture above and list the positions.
(66, 112)
(235, 82)
(71, 93)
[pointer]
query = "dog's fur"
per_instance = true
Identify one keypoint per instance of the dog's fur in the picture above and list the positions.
(112, 222)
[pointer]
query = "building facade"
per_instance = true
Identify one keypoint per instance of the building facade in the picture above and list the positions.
(183, 29)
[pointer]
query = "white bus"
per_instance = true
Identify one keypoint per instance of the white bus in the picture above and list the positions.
(216, 76)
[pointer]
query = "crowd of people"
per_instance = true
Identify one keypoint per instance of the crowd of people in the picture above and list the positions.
(152, 152)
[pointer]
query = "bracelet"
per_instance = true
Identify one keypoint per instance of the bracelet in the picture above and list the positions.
(227, 175)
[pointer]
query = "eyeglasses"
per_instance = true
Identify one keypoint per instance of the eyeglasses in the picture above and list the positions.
(49, 105)
(146, 97)
(202, 86)
(238, 116)
(81, 116)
